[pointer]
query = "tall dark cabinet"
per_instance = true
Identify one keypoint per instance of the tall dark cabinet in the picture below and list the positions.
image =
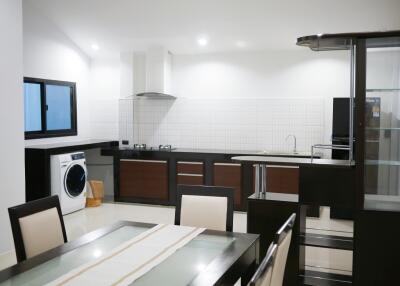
(375, 84)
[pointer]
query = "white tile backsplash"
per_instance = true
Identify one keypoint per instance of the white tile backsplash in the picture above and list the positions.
(229, 124)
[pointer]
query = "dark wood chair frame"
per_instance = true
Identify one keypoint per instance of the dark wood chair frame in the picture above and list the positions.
(285, 228)
(265, 264)
(269, 258)
(29, 208)
(206, 191)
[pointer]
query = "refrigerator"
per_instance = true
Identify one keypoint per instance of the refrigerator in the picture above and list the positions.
(340, 127)
(340, 136)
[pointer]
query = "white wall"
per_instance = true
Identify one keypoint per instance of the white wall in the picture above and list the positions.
(233, 100)
(247, 100)
(12, 190)
(49, 53)
(105, 92)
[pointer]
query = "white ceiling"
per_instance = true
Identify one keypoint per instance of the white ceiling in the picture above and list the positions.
(125, 25)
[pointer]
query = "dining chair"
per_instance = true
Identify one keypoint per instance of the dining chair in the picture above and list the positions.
(282, 239)
(205, 206)
(37, 226)
(263, 274)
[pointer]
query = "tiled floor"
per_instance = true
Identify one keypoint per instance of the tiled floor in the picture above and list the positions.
(89, 219)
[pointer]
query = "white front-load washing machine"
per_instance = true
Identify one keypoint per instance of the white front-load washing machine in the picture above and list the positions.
(68, 180)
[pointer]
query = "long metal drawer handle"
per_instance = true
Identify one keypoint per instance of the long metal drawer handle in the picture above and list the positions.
(190, 175)
(227, 164)
(189, 163)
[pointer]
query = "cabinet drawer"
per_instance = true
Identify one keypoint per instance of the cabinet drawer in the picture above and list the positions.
(146, 179)
(282, 179)
(190, 179)
(229, 175)
(187, 167)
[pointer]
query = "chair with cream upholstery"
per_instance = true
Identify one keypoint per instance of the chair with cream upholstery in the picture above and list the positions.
(263, 274)
(282, 240)
(205, 206)
(37, 226)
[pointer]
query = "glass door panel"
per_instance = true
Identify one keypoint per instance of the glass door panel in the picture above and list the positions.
(382, 125)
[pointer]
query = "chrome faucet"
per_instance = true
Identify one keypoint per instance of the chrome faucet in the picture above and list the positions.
(295, 142)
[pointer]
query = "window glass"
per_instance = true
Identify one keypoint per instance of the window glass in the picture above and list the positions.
(50, 108)
(32, 105)
(58, 101)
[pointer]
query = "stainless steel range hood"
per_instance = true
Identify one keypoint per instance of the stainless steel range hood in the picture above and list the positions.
(155, 95)
(152, 72)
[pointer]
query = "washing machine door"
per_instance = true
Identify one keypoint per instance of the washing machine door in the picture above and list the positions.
(75, 180)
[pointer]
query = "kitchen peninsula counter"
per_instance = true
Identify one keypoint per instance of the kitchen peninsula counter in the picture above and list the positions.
(292, 161)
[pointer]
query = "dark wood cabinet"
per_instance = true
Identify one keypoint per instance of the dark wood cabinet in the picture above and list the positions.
(282, 179)
(377, 248)
(229, 175)
(134, 182)
(190, 173)
(145, 179)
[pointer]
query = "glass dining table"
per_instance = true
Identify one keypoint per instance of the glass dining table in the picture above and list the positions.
(212, 258)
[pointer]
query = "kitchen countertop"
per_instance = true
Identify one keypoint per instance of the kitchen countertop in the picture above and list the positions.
(276, 197)
(83, 143)
(212, 151)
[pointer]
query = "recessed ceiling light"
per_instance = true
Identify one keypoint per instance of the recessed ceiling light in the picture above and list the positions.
(95, 47)
(240, 44)
(97, 253)
(202, 41)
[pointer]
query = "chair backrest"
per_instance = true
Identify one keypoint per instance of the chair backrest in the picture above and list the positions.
(205, 206)
(263, 274)
(282, 239)
(37, 226)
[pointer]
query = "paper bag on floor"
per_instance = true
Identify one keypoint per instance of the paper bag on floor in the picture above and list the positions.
(95, 193)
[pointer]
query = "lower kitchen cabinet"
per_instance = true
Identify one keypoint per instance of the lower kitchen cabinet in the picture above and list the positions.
(143, 179)
(190, 173)
(229, 175)
(190, 179)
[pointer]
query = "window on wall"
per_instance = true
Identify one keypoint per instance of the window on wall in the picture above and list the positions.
(50, 108)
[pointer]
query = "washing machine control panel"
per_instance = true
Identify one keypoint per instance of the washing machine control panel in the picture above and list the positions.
(78, 156)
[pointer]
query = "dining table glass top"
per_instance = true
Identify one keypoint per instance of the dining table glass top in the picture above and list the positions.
(178, 269)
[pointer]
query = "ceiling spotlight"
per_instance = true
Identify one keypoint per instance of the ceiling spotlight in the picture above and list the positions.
(202, 41)
(95, 47)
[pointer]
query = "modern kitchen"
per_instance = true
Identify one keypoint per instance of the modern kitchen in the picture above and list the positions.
(200, 143)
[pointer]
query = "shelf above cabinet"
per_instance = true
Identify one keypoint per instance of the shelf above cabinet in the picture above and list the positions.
(382, 202)
(383, 128)
(382, 90)
(327, 241)
(382, 163)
